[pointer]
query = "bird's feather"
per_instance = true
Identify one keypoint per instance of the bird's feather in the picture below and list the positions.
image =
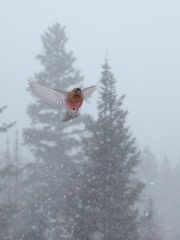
(88, 91)
(54, 96)
(68, 116)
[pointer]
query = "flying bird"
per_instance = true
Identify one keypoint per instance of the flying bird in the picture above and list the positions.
(71, 100)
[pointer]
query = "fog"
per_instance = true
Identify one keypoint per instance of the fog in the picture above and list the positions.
(142, 42)
(140, 39)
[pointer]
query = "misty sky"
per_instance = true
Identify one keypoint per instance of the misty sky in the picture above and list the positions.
(142, 39)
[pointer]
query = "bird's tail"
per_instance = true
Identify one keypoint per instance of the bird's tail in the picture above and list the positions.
(68, 116)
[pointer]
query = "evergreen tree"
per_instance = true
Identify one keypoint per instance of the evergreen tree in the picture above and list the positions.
(165, 199)
(148, 169)
(7, 171)
(106, 191)
(150, 229)
(49, 139)
(16, 168)
(7, 208)
(175, 200)
(148, 174)
(4, 127)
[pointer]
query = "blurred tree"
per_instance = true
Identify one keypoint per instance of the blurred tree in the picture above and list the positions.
(150, 229)
(50, 140)
(7, 171)
(103, 200)
(148, 174)
(148, 169)
(7, 208)
(165, 198)
(4, 127)
(175, 200)
(16, 163)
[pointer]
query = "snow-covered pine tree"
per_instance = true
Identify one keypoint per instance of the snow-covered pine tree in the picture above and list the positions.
(103, 201)
(48, 139)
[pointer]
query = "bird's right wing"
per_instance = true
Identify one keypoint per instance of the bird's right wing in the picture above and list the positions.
(54, 96)
(88, 91)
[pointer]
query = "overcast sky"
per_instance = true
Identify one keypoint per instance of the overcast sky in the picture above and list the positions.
(142, 39)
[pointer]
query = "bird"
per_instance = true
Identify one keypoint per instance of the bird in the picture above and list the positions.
(72, 100)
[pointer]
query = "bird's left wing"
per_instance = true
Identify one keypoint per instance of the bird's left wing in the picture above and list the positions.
(88, 91)
(54, 96)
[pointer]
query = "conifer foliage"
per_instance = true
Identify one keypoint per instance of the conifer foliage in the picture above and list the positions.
(4, 127)
(48, 139)
(108, 188)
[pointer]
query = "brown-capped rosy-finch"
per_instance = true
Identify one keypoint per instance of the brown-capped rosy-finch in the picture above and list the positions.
(71, 100)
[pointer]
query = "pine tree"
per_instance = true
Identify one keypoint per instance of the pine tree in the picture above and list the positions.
(175, 200)
(148, 169)
(103, 200)
(150, 228)
(4, 127)
(7, 209)
(7, 172)
(148, 174)
(49, 138)
(16, 167)
(165, 198)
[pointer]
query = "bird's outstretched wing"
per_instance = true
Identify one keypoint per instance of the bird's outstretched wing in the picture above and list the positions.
(88, 91)
(54, 96)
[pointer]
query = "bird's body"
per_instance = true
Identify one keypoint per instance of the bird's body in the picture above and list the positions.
(71, 100)
(74, 100)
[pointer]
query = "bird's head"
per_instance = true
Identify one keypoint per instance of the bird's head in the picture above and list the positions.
(78, 91)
